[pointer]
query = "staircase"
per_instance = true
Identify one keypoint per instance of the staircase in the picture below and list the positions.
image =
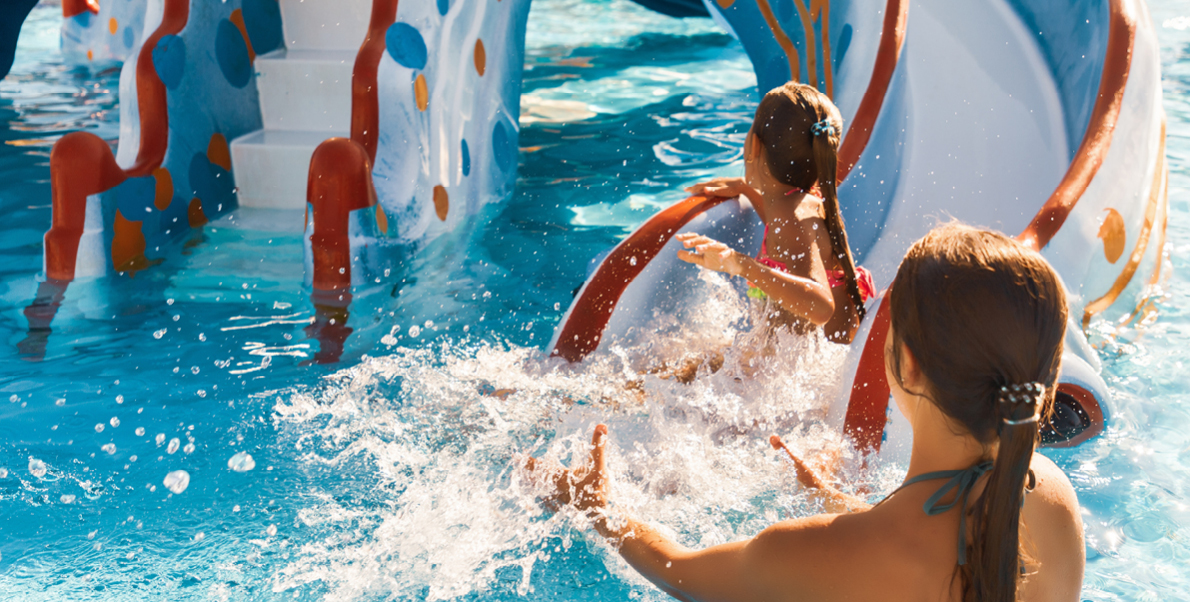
(305, 98)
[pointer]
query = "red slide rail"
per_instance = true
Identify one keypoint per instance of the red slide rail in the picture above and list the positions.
(82, 164)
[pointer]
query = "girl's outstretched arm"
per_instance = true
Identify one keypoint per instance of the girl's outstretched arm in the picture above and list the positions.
(805, 297)
(754, 569)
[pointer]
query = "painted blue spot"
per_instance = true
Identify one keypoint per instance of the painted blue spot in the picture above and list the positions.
(466, 159)
(134, 196)
(232, 54)
(842, 45)
(504, 146)
(443, 7)
(176, 217)
(169, 58)
(83, 18)
(262, 19)
(211, 183)
(129, 37)
(406, 46)
(783, 9)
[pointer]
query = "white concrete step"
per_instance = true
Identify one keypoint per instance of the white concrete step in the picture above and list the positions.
(271, 166)
(325, 24)
(305, 89)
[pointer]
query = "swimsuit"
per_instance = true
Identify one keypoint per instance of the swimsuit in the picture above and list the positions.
(961, 482)
(835, 278)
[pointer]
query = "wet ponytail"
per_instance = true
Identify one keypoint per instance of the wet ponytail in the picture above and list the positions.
(997, 562)
(985, 318)
(826, 162)
(800, 130)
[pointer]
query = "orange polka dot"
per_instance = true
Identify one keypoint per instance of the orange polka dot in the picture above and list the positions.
(441, 202)
(90, 55)
(381, 219)
(1113, 235)
(421, 94)
(725, 3)
(218, 152)
(113, 25)
(481, 57)
(128, 244)
(165, 188)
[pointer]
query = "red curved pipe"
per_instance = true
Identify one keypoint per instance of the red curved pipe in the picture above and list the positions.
(365, 99)
(340, 181)
(892, 39)
(1097, 138)
(81, 164)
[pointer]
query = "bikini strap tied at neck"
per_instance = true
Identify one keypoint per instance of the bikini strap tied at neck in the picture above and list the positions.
(961, 482)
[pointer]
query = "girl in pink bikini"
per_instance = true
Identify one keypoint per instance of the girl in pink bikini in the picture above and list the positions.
(804, 268)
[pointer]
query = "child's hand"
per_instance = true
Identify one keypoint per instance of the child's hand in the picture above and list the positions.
(833, 500)
(709, 253)
(584, 488)
(722, 187)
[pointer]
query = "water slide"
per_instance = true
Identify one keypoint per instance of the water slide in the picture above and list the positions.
(399, 123)
(1038, 119)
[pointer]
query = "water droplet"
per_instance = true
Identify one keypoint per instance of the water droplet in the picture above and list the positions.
(36, 467)
(3, 473)
(159, 334)
(99, 428)
(271, 530)
(92, 534)
(16, 398)
(177, 317)
(177, 481)
(202, 336)
(235, 508)
(632, 261)
(140, 431)
(67, 499)
(189, 448)
(202, 393)
(387, 272)
(173, 445)
(169, 301)
(414, 331)
(160, 438)
(119, 399)
(132, 458)
(241, 462)
(194, 369)
(199, 536)
(342, 270)
(114, 422)
(268, 359)
(110, 448)
(60, 402)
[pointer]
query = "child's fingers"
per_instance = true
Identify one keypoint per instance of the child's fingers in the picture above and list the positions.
(599, 441)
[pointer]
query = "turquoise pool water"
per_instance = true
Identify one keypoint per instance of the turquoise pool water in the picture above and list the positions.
(385, 475)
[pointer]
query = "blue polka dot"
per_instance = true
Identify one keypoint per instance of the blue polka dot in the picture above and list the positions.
(503, 146)
(83, 18)
(169, 58)
(842, 45)
(443, 7)
(210, 183)
(176, 217)
(232, 54)
(784, 11)
(134, 196)
(129, 37)
(406, 46)
(466, 159)
(262, 19)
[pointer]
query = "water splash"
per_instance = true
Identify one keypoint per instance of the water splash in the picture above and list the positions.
(177, 481)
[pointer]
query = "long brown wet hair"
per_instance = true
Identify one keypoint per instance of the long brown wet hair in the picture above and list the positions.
(799, 158)
(980, 312)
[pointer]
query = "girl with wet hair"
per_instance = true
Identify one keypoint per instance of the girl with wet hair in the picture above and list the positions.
(972, 361)
(805, 266)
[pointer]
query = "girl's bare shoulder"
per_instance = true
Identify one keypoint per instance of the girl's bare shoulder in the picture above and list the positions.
(809, 208)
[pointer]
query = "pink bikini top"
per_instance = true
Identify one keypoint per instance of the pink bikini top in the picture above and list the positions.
(835, 278)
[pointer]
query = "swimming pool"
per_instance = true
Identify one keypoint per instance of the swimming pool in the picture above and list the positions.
(386, 475)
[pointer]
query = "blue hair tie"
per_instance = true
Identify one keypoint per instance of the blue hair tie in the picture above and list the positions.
(823, 127)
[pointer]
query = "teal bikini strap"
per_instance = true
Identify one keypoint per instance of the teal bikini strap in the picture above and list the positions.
(961, 482)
